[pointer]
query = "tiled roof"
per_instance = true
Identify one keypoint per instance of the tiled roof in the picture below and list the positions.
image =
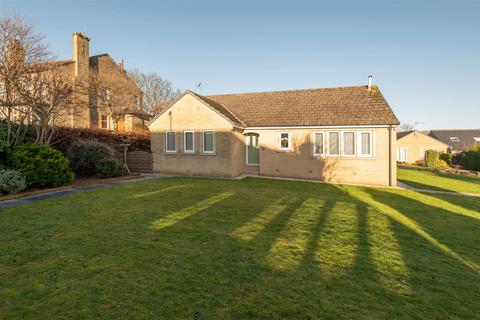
(311, 107)
(465, 137)
(400, 135)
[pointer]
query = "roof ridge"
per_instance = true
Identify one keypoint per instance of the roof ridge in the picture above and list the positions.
(281, 91)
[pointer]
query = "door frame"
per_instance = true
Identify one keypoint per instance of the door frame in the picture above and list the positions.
(247, 136)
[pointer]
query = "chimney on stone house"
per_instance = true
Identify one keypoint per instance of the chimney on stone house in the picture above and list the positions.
(80, 57)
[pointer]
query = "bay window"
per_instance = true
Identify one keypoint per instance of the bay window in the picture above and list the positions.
(334, 143)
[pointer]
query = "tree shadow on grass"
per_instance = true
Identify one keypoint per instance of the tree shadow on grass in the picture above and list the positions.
(457, 232)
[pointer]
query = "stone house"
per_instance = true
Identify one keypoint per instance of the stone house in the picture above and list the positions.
(88, 110)
(344, 135)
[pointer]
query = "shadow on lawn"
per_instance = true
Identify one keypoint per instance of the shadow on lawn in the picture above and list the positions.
(222, 258)
(235, 278)
(436, 221)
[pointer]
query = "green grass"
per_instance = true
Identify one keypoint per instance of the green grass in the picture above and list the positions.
(262, 249)
(424, 179)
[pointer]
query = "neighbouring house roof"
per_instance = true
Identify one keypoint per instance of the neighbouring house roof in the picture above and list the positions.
(457, 139)
(400, 135)
(310, 107)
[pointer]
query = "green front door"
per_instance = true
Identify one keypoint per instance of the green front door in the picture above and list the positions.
(253, 152)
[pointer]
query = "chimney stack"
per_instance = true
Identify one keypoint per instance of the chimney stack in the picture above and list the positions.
(370, 83)
(81, 55)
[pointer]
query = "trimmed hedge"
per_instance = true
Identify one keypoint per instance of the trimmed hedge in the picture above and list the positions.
(41, 165)
(431, 158)
(64, 138)
(471, 160)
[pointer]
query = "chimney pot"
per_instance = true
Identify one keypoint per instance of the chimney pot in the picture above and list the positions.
(370, 83)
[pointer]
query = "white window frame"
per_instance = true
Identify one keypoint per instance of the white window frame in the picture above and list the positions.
(166, 142)
(185, 150)
(289, 148)
(315, 154)
(339, 143)
(398, 154)
(203, 142)
(355, 139)
(359, 144)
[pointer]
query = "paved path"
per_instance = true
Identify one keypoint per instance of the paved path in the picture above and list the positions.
(453, 193)
(47, 195)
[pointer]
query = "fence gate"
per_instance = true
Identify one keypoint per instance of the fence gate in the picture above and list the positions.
(140, 161)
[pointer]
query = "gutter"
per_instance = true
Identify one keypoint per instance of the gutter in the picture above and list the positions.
(390, 182)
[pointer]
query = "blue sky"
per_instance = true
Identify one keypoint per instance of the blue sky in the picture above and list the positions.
(424, 55)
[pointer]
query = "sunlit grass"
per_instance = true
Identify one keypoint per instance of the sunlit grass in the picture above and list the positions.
(252, 249)
(423, 179)
(177, 216)
(412, 225)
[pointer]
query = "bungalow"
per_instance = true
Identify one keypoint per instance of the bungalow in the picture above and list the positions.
(411, 146)
(344, 135)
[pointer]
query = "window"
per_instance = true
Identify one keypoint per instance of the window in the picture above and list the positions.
(285, 141)
(365, 142)
(454, 139)
(349, 143)
(208, 141)
(188, 142)
(135, 103)
(422, 152)
(170, 141)
(104, 122)
(318, 144)
(334, 143)
(402, 155)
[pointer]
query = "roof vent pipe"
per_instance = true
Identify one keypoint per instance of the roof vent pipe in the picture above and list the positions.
(370, 83)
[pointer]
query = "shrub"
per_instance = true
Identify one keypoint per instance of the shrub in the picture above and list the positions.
(41, 165)
(471, 160)
(108, 168)
(441, 164)
(11, 181)
(85, 154)
(431, 158)
(447, 157)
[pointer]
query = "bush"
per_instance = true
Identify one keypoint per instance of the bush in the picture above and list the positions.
(471, 160)
(41, 165)
(84, 156)
(447, 157)
(108, 168)
(11, 181)
(441, 164)
(431, 158)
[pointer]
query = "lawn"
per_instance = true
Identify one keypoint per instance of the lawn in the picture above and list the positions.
(190, 248)
(430, 180)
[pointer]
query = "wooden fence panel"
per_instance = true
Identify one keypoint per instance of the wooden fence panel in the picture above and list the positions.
(140, 161)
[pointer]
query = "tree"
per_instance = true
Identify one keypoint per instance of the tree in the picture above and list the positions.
(404, 127)
(48, 93)
(106, 92)
(157, 92)
(21, 49)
